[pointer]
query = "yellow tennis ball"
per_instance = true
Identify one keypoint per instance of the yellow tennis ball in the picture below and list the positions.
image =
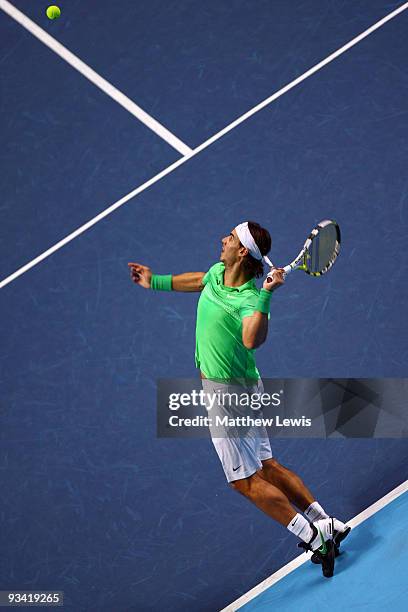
(53, 12)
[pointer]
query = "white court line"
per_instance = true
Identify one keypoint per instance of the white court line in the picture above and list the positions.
(94, 77)
(290, 567)
(200, 148)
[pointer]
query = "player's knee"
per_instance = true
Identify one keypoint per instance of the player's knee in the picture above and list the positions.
(241, 486)
(272, 467)
(271, 464)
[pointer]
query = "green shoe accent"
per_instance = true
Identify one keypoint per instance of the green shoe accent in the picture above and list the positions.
(323, 547)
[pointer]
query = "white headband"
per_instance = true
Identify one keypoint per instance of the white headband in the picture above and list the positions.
(247, 240)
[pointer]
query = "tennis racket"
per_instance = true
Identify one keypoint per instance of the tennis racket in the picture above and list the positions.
(319, 252)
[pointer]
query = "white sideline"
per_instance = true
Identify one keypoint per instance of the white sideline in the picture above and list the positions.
(298, 561)
(91, 222)
(198, 149)
(94, 77)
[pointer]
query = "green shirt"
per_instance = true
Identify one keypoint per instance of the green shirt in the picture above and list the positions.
(220, 353)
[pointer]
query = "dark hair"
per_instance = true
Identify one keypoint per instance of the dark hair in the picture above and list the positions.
(262, 237)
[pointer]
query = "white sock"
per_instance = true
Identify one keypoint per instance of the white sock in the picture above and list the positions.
(300, 527)
(315, 512)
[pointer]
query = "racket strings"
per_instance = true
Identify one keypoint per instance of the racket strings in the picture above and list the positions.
(323, 250)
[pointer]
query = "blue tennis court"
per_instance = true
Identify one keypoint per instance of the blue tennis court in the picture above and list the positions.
(136, 164)
(370, 574)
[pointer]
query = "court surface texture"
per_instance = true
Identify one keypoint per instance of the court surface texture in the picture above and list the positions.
(145, 132)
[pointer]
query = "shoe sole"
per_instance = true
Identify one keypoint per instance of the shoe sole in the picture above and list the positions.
(328, 559)
(328, 570)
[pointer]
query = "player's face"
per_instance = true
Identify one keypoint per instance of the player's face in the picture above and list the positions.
(231, 247)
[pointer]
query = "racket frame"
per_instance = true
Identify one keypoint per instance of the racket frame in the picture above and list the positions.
(300, 262)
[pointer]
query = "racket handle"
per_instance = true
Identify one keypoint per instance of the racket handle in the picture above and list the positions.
(286, 270)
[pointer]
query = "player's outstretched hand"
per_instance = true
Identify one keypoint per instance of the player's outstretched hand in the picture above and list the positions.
(275, 279)
(141, 275)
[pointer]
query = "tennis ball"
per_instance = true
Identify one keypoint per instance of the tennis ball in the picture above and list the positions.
(53, 12)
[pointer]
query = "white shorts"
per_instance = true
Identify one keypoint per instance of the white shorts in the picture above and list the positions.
(240, 455)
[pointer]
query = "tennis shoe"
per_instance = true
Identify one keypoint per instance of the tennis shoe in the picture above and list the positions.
(322, 545)
(341, 531)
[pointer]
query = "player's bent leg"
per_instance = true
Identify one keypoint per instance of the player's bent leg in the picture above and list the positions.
(266, 497)
(316, 537)
(299, 495)
(288, 482)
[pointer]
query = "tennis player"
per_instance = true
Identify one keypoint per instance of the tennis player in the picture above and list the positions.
(232, 321)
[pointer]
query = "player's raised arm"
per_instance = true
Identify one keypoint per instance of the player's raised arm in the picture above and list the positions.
(255, 327)
(143, 276)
